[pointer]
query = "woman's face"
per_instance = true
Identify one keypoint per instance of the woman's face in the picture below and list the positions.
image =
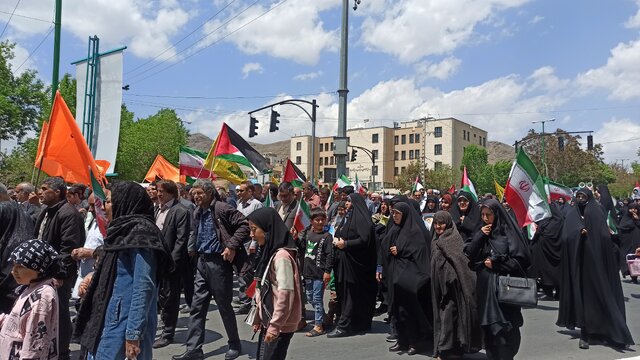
(431, 205)
(341, 211)
(257, 233)
(487, 215)
(463, 204)
(445, 205)
(384, 208)
(440, 227)
(397, 216)
(348, 204)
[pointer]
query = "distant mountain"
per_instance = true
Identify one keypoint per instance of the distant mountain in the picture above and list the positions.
(500, 151)
(279, 150)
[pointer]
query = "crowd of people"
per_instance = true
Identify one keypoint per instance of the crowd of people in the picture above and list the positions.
(101, 271)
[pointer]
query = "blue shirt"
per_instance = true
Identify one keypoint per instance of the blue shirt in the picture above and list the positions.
(207, 241)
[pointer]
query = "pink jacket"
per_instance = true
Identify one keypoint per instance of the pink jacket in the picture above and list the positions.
(285, 284)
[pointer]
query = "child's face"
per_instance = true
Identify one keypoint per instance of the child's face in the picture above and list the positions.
(23, 275)
(341, 211)
(318, 223)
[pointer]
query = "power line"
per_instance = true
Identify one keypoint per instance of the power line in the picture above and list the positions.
(226, 97)
(620, 141)
(219, 40)
(34, 50)
(10, 17)
(183, 38)
(25, 17)
(192, 44)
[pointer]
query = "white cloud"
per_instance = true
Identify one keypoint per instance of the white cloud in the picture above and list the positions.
(634, 21)
(617, 136)
(308, 76)
(442, 70)
(145, 27)
(21, 57)
(292, 31)
(248, 68)
(544, 79)
(620, 76)
(412, 29)
(536, 19)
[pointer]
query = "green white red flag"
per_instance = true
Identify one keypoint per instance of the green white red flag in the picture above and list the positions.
(268, 202)
(557, 191)
(303, 216)
(192, 165)
(100, 198)
(525, 191)
(359, 188)
(341, 182)
(467, 185)
(293, 175)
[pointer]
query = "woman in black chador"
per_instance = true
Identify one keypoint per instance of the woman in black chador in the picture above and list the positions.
(355, 269)
(498, 248)
(591, 295)
(409, 264)
(546, 252)
(466, 215)
(629, 235)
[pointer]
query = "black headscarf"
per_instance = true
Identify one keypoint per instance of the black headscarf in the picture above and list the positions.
(15, 227)
(277, 236)
(433, 199)
(505, 231)
(132, 227)
(629, 234)
(36, 255)
(472, 221)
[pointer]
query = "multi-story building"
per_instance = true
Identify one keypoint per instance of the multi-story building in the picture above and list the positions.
(431, 142)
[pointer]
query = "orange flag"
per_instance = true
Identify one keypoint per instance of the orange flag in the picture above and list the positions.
(62, 150)
(164, 170)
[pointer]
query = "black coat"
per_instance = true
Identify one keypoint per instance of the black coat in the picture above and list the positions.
(629, 235)
(546, 248)
(64, 230)
(176, 230)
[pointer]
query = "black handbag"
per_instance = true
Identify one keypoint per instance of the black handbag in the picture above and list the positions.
(519, 291)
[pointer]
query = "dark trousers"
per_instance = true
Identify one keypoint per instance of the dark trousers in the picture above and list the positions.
(188, 276)
(169, 300)
(502, 346)
(214, 278)
(65, 328)
(245, 278)
(275, 350)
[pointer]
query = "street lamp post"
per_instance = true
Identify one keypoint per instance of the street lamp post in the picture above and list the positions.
(544, 162)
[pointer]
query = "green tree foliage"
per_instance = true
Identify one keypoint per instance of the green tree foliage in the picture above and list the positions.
(441, 178)
(407, 178)
(141, 140)
(18, 166)
(625, 181)
(483, 174)
(22, 98)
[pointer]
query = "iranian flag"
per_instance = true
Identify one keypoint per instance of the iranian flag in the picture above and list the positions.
(417, 186)
(525, 192)
(359, 188)
(329, 201)
(100, 198)
(467, 185)
(557, 191)
(293, 175)
(341, 182)
(192, 164)
(303, 216)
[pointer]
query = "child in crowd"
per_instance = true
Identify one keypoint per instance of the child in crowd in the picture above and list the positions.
(318, 260)
(30, 331)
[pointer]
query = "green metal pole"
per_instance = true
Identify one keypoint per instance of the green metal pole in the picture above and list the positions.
(56, 50)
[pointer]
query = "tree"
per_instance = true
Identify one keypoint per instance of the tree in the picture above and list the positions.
(441, 178)
(141, 140)
(407, 178)
(22, 98)
(18, 166)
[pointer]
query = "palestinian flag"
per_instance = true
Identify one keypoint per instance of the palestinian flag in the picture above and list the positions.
(293, 175)
(192, 165)
(359, 188)
(611, 223)
(230, 151)
(525, 191)
(100, 198)
(467, 185)
(341, 182)
(557, 191)
(303, 216)
(452, 189)
(268, 202)
(531, 230)
(417, 185)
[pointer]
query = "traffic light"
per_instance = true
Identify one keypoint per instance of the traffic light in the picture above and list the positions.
(590, 142)
(354, 154)
(561, 143)
(273, 126)
(253, 127)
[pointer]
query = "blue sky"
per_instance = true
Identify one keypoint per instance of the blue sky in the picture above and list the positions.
(497, 64)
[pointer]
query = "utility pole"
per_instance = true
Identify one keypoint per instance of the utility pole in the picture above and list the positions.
(56, 50)
(544, 162)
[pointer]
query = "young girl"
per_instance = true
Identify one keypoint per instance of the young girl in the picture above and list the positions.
(30, 331)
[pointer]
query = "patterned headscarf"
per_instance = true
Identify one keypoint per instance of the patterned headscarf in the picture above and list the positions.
(36, 255)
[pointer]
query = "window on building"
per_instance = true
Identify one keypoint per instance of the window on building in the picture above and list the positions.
(403, 155)
(374, 138)
(299, 146)
(474, 136)
(411, 137)
(396, 155)
(437, 149)
(326, 160)
(437, 131)
(417, 154)
(321, 162)
(480, 141)
(410, 154)
(395, 140)
(395, 171)
(484, 142)
(298, 159)
(321, 148)
(331, 146)
(437, 165)
(402, 169)
(375, 154)
(331, 160)
(417, 138)
(374, 170)
(404, 139)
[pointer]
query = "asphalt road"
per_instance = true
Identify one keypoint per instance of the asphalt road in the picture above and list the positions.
(541, 338)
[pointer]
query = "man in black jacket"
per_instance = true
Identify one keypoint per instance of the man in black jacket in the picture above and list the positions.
(62, 226)
(174, 221)
(218, 233)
